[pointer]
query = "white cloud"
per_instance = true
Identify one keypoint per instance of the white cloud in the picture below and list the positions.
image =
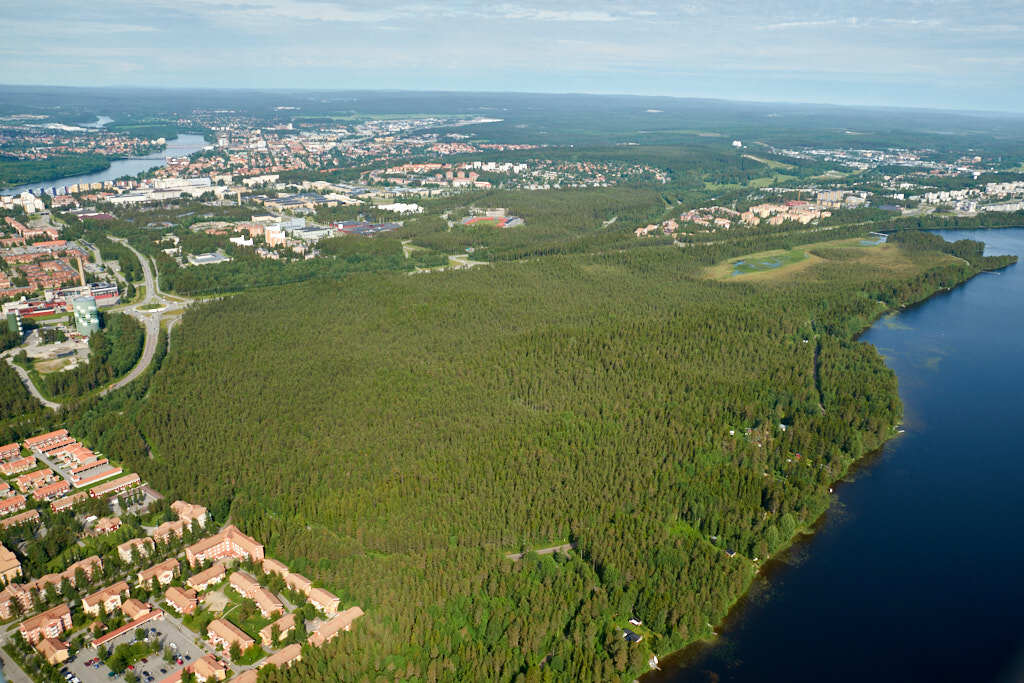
(537, 14)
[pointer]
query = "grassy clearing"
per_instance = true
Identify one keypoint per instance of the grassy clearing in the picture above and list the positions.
(761, 262)
(770, 163)
(859, 252)
(47, 366)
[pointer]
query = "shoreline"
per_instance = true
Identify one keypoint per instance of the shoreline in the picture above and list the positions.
(681, 657)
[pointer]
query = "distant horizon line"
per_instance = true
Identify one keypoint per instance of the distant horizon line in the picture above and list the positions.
(187, 88)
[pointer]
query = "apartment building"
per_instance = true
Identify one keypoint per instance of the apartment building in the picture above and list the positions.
(24, 518)
(285, 625)
(335, 625)
(249, 587)
(109, 598)
(115, 486)
(229, 543)
(12, 467)
(52, 491)
(285, 657)
(13, 504)
(53, 650)
(134, 609)
(164, 532)
(222, 633)
(48, 624)
(45, 439)
(184, 601)
(323, 600)
(10, 567)
(69, 501)
(207, 578)
(164, 573)
(144, 546)
(189, 513)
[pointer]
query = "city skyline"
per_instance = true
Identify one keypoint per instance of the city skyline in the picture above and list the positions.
(943, 54)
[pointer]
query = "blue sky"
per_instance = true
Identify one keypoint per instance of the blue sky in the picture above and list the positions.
(954, 54)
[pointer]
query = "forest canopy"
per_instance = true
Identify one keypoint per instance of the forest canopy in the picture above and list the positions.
(395, 437)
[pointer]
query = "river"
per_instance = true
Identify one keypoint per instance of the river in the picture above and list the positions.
(183, 145)
(914, 572)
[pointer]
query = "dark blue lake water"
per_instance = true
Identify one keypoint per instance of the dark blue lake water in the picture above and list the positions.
(915, 572)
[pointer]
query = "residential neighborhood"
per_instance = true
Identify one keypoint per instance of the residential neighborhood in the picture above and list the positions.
(148, 591)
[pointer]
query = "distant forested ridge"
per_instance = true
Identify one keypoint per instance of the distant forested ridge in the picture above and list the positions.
(395, 437)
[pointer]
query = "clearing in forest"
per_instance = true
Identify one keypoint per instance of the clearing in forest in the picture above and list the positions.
(782, 264)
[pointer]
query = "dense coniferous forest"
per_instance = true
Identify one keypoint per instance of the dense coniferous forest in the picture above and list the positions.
(112, 352)
(395, 437)
(21, 171)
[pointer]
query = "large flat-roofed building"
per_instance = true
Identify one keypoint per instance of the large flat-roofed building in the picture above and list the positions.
(87, 316)
(229, 543)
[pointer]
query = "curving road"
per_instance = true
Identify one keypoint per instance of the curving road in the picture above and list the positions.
(27, 381)
(150, 318)
(143, 311)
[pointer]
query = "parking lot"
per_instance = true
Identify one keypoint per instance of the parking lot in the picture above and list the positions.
(167, 632)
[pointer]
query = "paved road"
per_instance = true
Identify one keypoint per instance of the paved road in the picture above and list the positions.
(11, 670)
(28, 380)
(150, 319)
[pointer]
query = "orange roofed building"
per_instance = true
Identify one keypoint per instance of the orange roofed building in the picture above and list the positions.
(229, 543)
(184, 601)
(222, 633)
(335, 625)
(207, 577)
(48, 624)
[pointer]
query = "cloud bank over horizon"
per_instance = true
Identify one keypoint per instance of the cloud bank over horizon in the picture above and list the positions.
(947, 54)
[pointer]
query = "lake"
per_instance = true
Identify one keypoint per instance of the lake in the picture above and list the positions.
(183, 145)
(914, 572)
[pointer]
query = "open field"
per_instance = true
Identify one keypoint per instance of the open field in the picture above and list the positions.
(770, 163)
(782, 264)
